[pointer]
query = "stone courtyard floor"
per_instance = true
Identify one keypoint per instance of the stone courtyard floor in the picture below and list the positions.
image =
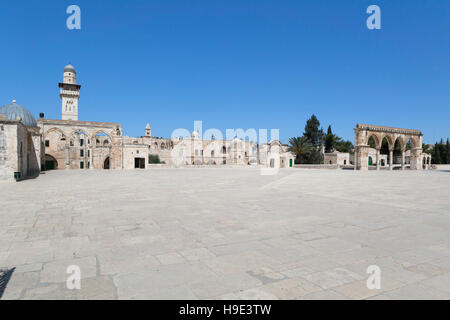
(227, 234)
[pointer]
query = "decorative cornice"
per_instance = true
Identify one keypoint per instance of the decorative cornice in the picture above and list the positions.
(369, 127)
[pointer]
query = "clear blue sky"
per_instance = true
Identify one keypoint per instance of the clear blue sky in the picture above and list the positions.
(234, 63)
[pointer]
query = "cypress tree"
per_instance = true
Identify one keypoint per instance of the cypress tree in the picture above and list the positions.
(436, 154)
(329, 140)
(447, 149)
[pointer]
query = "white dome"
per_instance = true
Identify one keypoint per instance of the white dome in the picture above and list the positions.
(195, 135)
(70, 68)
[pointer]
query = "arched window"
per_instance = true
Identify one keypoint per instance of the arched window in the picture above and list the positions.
(224, 150)
(212, 153)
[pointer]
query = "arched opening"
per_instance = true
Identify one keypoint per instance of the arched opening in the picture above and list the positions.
(372, 142)
(212, 153)
(224, 150)
(163, 146)
(397, 151)
(408, 151)
(384, 152)
(106, 164)
(370, 161)
(102, 139)
(81, 138)
(50, 163)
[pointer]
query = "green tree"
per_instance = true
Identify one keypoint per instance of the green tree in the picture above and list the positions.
(154, 159)
(426, 148)
(344, 146)
(329, 140)
(302, 147)
(436, 157)
(447, 150)
(313, 132)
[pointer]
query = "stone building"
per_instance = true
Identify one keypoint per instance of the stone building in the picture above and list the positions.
(28, 146)
(20, 143)
(336, 157)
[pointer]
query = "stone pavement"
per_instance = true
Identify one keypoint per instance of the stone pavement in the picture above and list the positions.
(227, 234)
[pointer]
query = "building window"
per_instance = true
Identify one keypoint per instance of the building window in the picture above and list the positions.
(212, 153)
(81, 142)
(47, 143)
(81, 153)
(81, 165)
(89, 153)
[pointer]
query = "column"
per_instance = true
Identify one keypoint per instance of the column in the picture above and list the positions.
(91, 157)
(391, 159)
(403, 160)
(67, 158)
(378, 159)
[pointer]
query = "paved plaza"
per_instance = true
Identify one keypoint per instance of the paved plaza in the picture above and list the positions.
(227, 233)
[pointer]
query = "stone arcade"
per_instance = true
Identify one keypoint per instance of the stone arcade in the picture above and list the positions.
(390, 136)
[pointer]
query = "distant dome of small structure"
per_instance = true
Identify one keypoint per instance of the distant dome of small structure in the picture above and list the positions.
(195, 135)
(15, 112)
(69, 68)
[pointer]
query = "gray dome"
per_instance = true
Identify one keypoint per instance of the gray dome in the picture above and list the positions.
(69, 68)
(13, 111)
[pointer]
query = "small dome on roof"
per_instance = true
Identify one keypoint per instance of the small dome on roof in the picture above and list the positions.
(69, 68)
(195, 135)
(15, 112)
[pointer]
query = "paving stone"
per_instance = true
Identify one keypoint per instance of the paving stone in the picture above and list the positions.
(228, 232)
(170, 258)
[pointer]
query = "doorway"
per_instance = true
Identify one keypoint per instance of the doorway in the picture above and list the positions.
(106, 164)
(139, 163)
(50, 163)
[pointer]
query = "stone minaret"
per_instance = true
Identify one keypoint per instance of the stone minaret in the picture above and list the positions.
(69, 93)
(148, 131)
